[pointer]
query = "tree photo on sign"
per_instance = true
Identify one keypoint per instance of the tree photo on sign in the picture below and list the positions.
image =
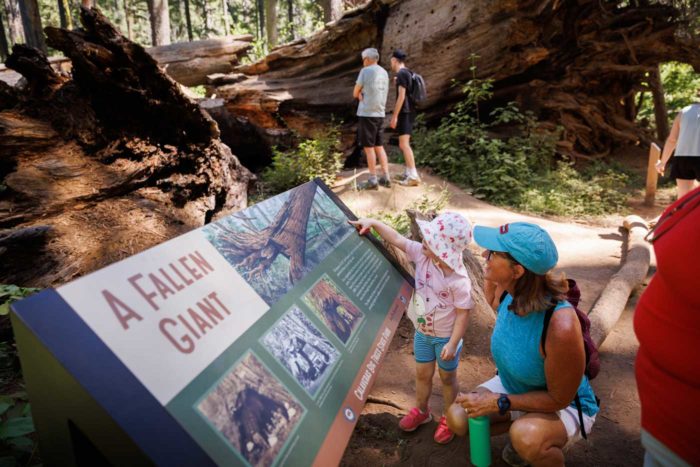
(276, 242)
(335, 309)
(302, 349)
(253, 411)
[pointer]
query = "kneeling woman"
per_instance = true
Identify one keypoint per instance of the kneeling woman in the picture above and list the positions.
(533, 395)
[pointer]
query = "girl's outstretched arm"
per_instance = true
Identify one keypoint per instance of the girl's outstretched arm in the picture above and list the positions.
(387, 233)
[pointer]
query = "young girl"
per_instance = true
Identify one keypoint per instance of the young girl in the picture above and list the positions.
(442, 299)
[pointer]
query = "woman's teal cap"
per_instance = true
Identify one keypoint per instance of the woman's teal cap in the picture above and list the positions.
(529, 244)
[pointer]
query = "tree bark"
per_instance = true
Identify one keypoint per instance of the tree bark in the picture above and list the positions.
(635, 264)
(271, 23)
(332, 10)
(64, 13)
(569, 63)
(113, 160)
(14, 22)
(31, 21)
(160, 22)
(660, 111)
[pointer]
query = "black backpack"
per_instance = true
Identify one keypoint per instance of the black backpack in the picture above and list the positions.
(418, 92)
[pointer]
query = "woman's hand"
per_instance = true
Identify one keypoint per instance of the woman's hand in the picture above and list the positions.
(362, 225)
(480, 403)
(448, 351)
(660, 167)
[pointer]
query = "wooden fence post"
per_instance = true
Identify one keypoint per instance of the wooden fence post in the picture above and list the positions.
(652, 175)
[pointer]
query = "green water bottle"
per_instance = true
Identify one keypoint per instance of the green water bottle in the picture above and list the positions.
(480, 441)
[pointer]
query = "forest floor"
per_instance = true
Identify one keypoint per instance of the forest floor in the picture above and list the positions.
(589, 252)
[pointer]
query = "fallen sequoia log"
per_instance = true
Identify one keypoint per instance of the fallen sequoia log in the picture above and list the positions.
(576, 65)
(188, 63)
(103, 165)
(612, 301)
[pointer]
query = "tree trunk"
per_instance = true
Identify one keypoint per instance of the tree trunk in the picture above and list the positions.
(4, 48)
(224, 17)
(207, 18)
(109, 162)
(160, 22)
(271, 23)
(332, 10)
(188, 19)
(14, 22)
(127, 15)
(568, 62)
(260, 10)
(64, 13)
(190, 63)
(290, 20)
(31, 21)
(660, 111)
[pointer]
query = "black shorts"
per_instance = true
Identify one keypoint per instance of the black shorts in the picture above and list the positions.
(369, 131)
(685, 168)
(404, 124)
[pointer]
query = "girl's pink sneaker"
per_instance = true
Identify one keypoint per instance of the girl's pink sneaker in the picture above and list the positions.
(443, 434)
(414, 419)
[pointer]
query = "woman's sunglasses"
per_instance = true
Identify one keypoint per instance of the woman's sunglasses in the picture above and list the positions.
(502, 254)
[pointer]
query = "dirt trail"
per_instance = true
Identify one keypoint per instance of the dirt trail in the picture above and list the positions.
(588, 253)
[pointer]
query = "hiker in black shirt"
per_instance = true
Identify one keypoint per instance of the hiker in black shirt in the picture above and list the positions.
(404, 116)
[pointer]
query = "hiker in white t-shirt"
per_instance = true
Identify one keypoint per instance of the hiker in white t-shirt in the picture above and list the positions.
(684, 139)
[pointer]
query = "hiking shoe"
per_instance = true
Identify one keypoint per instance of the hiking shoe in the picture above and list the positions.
(414, 419)
(409, 181)
(443, 434)
(400, 177)
(511, 457)
(368, 185)
(385, 182)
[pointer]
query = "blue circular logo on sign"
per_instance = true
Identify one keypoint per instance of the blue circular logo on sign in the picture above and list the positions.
(349, 414)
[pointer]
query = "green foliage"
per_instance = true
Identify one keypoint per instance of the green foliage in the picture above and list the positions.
(16, 428)
(400, 220)
(520, 170)
(10, 293)
(681, 85)
(317, 157)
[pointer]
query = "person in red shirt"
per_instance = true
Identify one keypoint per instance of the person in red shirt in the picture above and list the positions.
(667, 325)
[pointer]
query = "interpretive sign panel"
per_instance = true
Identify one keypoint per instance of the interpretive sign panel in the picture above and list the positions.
(253, 340)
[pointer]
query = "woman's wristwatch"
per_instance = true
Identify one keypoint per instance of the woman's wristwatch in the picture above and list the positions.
(503, 404)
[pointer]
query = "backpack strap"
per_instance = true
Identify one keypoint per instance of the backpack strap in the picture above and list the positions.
(580, 417)
(545, 325)
(503, 297)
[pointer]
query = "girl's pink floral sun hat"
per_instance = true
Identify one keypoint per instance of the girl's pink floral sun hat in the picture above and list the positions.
(447, 236)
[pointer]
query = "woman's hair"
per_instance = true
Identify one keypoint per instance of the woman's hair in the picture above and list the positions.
(534, 292)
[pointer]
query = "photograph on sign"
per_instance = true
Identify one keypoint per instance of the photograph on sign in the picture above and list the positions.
(253, 411)
(334, 308)
(299, 346)
(275, 243)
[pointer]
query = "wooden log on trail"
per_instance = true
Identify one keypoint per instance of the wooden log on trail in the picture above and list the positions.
(635, 264)
(112, 160)
(571, 63)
